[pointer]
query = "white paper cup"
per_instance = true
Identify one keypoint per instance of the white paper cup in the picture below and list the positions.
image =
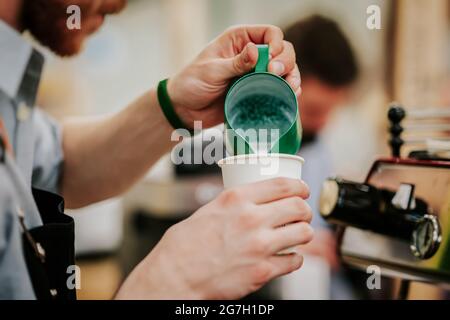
(249, 168)
(245, 169)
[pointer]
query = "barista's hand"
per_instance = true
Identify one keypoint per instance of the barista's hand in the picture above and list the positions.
(227, 249)
(198, 91)
(323, 245)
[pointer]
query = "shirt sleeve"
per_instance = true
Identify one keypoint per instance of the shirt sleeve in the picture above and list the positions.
(48, 153)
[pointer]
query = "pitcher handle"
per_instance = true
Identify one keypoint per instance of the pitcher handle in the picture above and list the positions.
(263, 58)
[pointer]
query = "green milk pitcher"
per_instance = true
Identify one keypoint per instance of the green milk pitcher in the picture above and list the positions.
(262, 101)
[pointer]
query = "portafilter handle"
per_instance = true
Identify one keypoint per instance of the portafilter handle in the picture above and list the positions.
(366, 207)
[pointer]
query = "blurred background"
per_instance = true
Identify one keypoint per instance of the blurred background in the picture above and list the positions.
(406, 60)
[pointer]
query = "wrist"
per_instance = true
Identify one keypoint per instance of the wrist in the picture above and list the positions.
(158, 277)
(177, 103)
(171, 277)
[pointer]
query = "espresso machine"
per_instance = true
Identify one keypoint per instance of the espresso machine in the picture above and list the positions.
(398, 219)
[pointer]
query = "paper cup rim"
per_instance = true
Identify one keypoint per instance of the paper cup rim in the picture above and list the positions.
(232, 159)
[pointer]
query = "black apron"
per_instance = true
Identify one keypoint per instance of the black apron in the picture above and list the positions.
(49, 250)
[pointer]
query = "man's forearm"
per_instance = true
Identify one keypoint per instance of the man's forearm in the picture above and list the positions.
(156, 277)
(105, 155)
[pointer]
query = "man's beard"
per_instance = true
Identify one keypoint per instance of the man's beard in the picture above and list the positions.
(46, 21)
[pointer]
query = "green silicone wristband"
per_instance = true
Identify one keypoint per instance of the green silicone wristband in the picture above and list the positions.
(167, 107)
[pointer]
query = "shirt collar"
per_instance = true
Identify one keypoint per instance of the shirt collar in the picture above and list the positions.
(20, 66)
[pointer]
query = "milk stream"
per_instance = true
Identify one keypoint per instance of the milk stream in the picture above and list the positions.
(262, 119)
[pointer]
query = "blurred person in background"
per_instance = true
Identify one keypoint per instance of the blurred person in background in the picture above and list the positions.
(329, 71)
(226, 249)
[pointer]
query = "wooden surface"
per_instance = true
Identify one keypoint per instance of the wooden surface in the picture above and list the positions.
(100, 278)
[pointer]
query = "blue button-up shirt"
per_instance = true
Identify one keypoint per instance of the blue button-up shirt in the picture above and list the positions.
(37, 158)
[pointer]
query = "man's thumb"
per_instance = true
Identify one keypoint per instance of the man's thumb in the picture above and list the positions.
(245, 61)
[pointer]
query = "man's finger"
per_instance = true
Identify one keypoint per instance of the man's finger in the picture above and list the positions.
(273, 189)
(292, 235)
(267, 34)
(260, 34)
(241, 64)
(284, 264)
(294, 79)
(286, 211)
(284, 62)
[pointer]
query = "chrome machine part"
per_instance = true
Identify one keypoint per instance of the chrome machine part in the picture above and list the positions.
(426, 238)
(396, 214)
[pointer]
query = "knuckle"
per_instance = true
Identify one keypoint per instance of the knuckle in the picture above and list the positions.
(258, 245)
(287, 186)
(233, 29)
(238, 36)
(238, 66)
(289, 46)
(307, 232)
(304, 190)
(229, 30)
(248, 218)
(303, 209)
(290, 52)
(301, 234)
(277, 29)
(308, 215)
(230, 197)
(299, 205)
(262, 272)
(172, 233)
(284, 185)
(172, 230)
